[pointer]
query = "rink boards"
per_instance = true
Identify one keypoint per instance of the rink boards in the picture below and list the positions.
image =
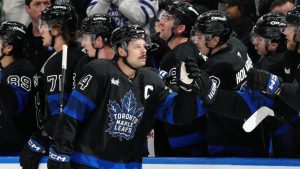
(190, 163)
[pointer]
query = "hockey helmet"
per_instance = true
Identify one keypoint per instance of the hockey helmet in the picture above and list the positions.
(293, 16)
(96, 25)
(183, 12)
(61, 14)
(213, 23)
(271, 26)
(122, 35)
(13, 33)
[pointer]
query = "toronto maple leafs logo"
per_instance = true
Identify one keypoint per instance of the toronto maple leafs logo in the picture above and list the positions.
(124, 118)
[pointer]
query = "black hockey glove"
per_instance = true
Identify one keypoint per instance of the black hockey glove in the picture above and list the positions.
(204, 87)
(264, 81)
(58, 161)
(31, 154)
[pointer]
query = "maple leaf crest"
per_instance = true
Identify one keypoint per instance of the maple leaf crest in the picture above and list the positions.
(124, 118)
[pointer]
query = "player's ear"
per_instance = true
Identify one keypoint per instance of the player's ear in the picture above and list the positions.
(56, 30)
(98, 42)
(122, 52)
(214, 41)
(180, 29)
(8, 48)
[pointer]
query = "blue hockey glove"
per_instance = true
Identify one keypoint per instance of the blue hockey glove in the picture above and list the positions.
(264, 81)
(31, 154)
(58, 161)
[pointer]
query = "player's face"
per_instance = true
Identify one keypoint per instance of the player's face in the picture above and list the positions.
(165, 25)
(36, 7)
(3, 50)
(1, 47)
(289, 32)
(260, 44)
(137, 53)
(199, 40)
(45, 34)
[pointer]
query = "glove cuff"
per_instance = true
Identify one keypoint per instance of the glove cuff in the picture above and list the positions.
(35, 146)
(53, 155)
(274, 85)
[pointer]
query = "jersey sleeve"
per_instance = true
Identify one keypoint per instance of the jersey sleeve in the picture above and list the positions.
(291, 95)
(9, 100)
(178, 108)
(83, 97)
(239, 104)
(80, 104)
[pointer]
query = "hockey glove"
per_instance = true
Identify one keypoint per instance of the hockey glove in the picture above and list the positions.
(204, 87)
(58, 161)
(31, 154)
(264, 81)
(184, 82)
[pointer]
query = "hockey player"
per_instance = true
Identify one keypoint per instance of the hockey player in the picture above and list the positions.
(269, 41)
(36, 53)
(96, 31)
(287, 89)
(286, 86)
(94, 38)
(174, 24)
(227, 66)
(58, 27)
(17, 88)
(118, 99)
(175, 21)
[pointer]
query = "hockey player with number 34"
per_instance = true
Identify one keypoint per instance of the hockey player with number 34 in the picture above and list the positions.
(112, 109)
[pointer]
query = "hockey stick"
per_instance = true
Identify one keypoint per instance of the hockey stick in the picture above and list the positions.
(256, 118)
(63, 76)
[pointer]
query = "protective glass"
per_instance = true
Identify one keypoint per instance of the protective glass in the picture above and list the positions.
(85, 37)
(165, 16)
(147, 45)
(258, 39)
(43, 25)
(197, 36)
(140, 46)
